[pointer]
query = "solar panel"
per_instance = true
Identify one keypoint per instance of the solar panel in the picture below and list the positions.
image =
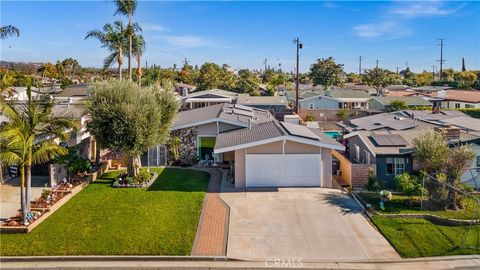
(389, 140)
(245, 108)
(299, 131)
(242, 112)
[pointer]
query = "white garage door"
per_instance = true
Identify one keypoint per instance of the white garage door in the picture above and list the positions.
(301, 170)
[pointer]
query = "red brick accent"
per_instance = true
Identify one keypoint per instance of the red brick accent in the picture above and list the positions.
(212, 232)
(360, 174)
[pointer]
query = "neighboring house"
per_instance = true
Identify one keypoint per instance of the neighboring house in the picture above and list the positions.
(198, 129)
(206, 98)
(278, 154)
(276, 105)
(334, 99)
(458, 99)
(386, 140)
(72, 94)
(429, 89)
(20, 93)
(384, 103)
(184, 89)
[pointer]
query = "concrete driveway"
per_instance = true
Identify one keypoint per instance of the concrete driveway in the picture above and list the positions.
(312, 224)
(10, 195)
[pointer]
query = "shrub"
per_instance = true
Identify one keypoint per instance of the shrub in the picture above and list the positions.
(472, 112)
(373, 183)
(309, 118)
(143, 176)
(409, 185)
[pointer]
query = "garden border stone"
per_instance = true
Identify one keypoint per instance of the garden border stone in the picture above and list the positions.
(149, 183)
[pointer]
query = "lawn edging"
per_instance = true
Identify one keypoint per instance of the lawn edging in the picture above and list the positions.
(49, 211)
(113, 258)
(438, 220)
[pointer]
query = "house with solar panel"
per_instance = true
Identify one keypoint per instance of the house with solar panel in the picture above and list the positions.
(259, 150)
(384, 142)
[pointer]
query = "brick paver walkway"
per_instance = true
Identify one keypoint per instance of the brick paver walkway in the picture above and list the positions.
(212, 232)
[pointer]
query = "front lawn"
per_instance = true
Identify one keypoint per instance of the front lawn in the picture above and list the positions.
(399, 205)
(421, 238)
(101, 220)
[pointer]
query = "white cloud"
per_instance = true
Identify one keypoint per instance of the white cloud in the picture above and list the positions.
(188, 41)
(424, 9)
(153, 27)
(385, 29)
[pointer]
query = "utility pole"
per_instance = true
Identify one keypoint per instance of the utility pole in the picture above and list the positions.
(265, 63)
(441, 57)
(377, 64)
(185, 61)
(299, 46)
(360, 65)
(397, 69)
(433, 72)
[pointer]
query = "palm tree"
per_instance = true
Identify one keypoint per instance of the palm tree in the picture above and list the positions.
(6, 82)
(127, 8)
(8, 30)
(28, 139)
(138, 50)
(113, 37)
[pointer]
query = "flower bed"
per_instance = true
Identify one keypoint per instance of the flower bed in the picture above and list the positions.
(125, 182)
(49, 202)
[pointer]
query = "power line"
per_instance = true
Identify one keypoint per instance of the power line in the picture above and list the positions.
(441, 57)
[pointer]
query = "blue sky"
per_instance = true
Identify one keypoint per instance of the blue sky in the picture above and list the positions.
(242, 34)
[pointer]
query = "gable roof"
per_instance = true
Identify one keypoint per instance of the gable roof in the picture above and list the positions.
(271, 132)
(245, 99)
(409, 100)
(225, 112)
(212, 93)
(337, 94)
(470, 96)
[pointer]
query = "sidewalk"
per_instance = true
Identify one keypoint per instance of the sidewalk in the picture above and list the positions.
(152, 262)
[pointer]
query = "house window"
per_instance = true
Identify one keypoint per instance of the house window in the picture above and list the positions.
(357, 153)
(367, 157)
(457, 105)
(395, 165)
(205, 147)
(469, 106)
(311, 106)
(478, 161)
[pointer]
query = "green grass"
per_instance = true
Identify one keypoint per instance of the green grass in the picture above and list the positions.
(101, 220)
(421, 238)
(398, 205)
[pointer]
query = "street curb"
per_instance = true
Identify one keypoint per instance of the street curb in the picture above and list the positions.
(112, 258)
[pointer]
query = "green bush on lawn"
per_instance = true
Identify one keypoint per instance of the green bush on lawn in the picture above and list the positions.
(101, 220)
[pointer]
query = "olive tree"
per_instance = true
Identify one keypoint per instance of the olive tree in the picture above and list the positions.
(128, 118)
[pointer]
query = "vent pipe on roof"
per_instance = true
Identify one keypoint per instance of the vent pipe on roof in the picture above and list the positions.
(249, 123)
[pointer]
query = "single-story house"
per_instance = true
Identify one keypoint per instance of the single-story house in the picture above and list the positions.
(200, 99)
(384, 103)
(199, 128)
(390, 145)
(278, 154)
(458, 99)
(334, 99)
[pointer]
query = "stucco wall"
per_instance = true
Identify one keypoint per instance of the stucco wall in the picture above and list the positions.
(319, 103)
(290, 148)
(209, 129)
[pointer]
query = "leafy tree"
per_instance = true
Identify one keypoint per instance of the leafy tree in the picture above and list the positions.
(73, 162)
(24, 139)
(112, 37)
(327, 73)
(465, 79)
(457, 161)
(398, 105)
(248, 82)
(431, 151)
(8, 30)
(377, 78)
(70, 66)
(129, 118)
(448, 74)
(127, 8)
(210, 76)
(343, 114)
(228, 79)
(354, 78)
(463, 64)
(267, 76)
(409, 185)
(48, 70)
(424, 78)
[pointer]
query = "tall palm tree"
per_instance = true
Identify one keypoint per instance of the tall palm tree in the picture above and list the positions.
(138, 50)
(28, 139)
(127, 8)
(113, 37)
(8, 30)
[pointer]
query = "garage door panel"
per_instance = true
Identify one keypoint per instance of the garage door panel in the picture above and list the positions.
(283, 170)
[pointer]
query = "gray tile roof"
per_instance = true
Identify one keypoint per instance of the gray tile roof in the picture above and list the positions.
(447, 118)
(337, 93)
(271, 130)
(245, 99)
(394, 121)
(226, 111)
(409, 100)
